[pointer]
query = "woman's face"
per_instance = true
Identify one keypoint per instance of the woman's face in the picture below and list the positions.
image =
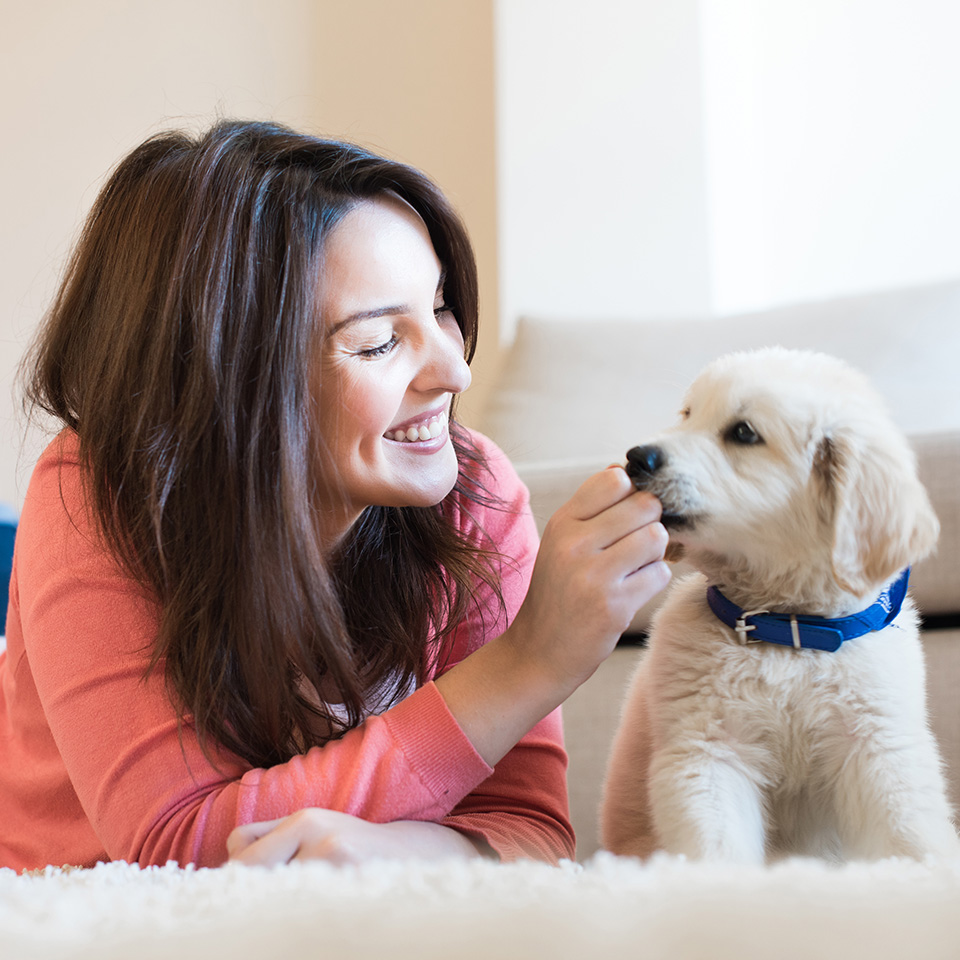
(391, 362)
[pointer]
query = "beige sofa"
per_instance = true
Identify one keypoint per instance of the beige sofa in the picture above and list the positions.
(575, 395)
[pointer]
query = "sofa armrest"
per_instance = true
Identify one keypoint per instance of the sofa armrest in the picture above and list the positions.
(935, 582)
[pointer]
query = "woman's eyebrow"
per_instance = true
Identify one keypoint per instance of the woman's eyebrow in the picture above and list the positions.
(377, 312)
(369, 315)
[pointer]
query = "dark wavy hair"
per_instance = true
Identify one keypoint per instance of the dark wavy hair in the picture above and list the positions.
(180, 350)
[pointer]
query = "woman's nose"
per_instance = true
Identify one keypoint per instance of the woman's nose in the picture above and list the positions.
(444, 367)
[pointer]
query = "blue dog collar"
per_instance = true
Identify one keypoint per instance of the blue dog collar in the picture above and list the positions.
(816, 633)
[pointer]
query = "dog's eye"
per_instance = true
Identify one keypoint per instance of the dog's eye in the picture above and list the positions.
(743, 433)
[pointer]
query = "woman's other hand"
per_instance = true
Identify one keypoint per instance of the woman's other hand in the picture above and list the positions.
(315, 834)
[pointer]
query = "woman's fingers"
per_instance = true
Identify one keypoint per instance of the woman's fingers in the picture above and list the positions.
(265, 844)
(636, 548)
(636, 511)
(248, 833)
(605, 508)
(577, 539)
(599, 493)
(627, 575)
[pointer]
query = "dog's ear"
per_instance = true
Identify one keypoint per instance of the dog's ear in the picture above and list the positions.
(880, 514)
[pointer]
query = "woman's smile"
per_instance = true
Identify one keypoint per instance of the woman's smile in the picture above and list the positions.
(418, 431)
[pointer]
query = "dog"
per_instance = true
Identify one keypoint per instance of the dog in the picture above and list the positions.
(780, 708)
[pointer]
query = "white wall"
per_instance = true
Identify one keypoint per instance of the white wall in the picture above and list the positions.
(711, 156)
(602, 203)
(832, 146)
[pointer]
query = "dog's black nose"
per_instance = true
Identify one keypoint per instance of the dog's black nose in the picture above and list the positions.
(645, 460)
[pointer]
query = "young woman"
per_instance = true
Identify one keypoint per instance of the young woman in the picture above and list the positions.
(269, 600)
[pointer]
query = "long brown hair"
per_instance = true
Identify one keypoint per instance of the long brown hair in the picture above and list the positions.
(180, 349)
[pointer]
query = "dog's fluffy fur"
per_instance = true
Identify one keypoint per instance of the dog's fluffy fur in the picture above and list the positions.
(788, 486)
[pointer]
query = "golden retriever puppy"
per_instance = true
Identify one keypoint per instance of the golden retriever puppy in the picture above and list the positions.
(780, 707)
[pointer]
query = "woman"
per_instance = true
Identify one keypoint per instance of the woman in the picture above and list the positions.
(268, 598)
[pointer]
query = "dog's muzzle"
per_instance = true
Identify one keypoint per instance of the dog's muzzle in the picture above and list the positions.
(643, 464)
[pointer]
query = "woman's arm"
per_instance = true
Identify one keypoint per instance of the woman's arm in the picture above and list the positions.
(566, 607)
(522, 810)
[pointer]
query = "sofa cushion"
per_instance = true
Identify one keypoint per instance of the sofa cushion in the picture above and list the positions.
(591, 389)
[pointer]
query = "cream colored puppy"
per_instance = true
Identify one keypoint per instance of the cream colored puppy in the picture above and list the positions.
(789, 488)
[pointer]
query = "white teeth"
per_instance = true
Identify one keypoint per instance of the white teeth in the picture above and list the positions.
(424, 431)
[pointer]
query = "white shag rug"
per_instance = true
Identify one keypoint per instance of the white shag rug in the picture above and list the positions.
(610, 907)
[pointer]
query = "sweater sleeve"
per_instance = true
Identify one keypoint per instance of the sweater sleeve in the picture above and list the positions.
(521, 810)
(81, 631)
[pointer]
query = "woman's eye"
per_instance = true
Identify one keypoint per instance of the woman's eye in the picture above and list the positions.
(379, 351)
(744, 433)
(440, 311)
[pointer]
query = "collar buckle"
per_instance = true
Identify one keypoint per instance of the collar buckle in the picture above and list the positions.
(743, 628)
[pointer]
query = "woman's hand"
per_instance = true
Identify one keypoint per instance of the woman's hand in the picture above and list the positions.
(316, 834)
(600, 560)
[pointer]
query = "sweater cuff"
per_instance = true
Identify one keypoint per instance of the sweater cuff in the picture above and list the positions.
(436, 748)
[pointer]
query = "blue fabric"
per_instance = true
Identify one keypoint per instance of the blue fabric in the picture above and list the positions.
(8, 532)
(816, 633)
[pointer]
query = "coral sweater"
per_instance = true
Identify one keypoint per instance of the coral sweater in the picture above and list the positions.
(93, 766)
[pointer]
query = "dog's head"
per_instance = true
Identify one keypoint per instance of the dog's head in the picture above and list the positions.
(786, 462)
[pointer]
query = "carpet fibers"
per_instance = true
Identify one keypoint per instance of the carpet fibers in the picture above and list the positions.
(609, 907)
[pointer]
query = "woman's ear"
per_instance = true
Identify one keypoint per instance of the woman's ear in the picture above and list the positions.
(879, 512)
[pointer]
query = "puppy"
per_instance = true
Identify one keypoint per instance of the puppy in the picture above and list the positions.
(747, 736)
